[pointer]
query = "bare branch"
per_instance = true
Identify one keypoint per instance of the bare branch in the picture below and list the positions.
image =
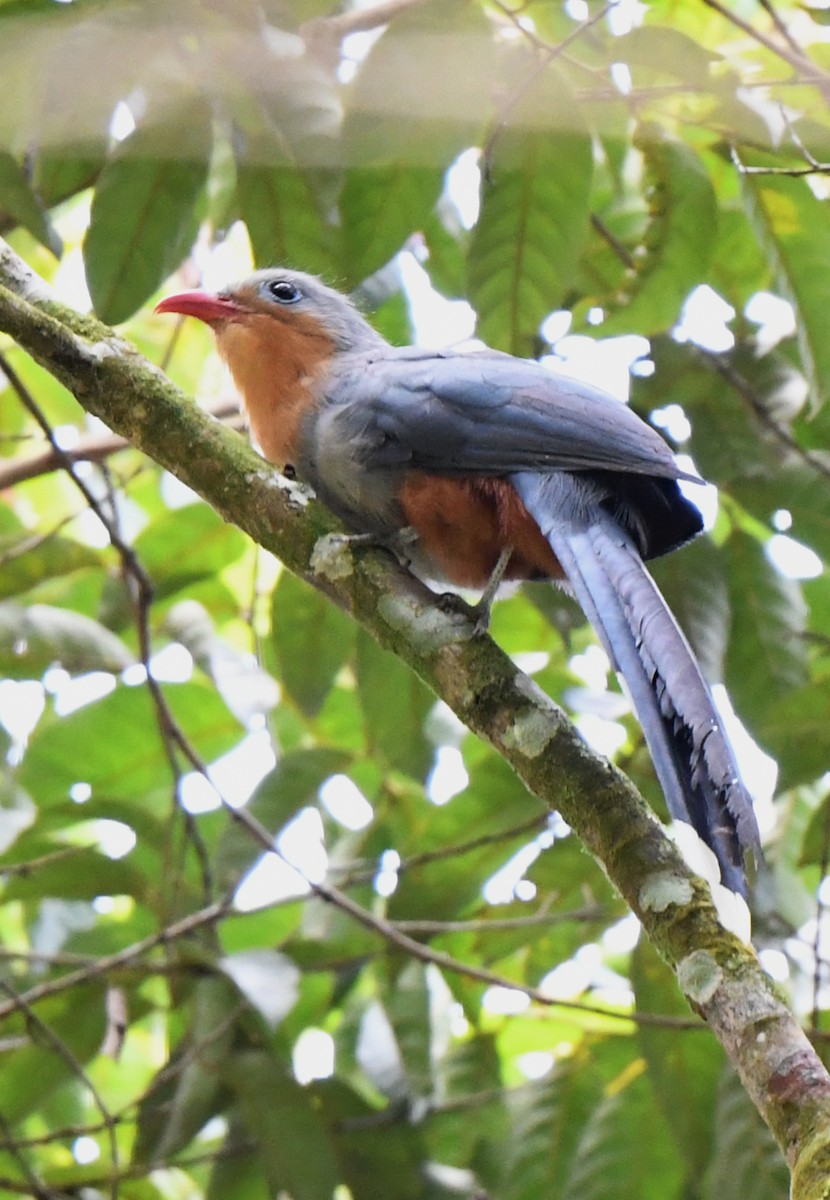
(808, 71)
(95, 447)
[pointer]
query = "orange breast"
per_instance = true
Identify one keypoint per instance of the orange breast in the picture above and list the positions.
(275, 365)
(464, 524)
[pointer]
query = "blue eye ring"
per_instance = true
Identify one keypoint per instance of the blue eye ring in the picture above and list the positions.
(284, 291)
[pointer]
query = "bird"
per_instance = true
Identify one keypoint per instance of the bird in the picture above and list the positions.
(502, 468)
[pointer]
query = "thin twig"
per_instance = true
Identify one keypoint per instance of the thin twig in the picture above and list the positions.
(351, 875)
(38, 1188)
(66, 1134)
(77, 1068)
(746, 392)
(93, 448)
(622, 252)
(391, 933)
(596, 912)
(768, 8)
(795, 137)
(795, 58)
(122, 958)
(135, 1170)
(815, 168)
(141, 594)
(548, 55)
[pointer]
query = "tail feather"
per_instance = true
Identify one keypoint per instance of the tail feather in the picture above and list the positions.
(691, 753)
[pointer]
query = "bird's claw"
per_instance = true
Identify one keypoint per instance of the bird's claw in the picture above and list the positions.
(478, 613)
(396, 543)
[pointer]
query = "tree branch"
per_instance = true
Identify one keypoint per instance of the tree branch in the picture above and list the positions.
(807, 70)
(95, 447)
(718, 973)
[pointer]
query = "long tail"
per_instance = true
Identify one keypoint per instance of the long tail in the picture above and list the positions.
(691, 753)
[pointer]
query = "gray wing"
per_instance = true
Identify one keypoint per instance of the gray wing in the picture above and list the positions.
(488, 414)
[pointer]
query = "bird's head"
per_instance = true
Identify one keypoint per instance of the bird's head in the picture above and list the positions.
(273, 302)
(279, 332)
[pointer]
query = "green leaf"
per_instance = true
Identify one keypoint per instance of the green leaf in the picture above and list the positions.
(17, 812)
(296, 118)
(470, 1067)
(19, 204)
(738, 267)
(32, 1072)
(602, 269)
(244, 686)
(26, 565)
(678, 243)
(396, 114)
(446, 245)
(791, 224)
(293, 784)
(151, 827)
(488, 822)
(767, 658)
(407, 1006)
(268, 980)
(625, 1138)
(143, 215)
(123, 748)
(237, 1172)
(38, 636)
(679, 1063)
(665, 51)
(310, 641)
(533, 221)
(189, 1089)
(187, 544)
(382, 206)
(78, 591)
(547, 1120)
(793, 894)
(80, 873)
(816, 841)
(283, 1117)
(399, 135)
(64, 171)
(795, 729)
(392, 320)
(375, 1164)
(732, 440)
(801, 491)
(395, 703)
(569, 872)
(282, 214)
(746, 1161)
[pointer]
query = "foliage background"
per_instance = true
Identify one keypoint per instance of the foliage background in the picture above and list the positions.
(158, 1032)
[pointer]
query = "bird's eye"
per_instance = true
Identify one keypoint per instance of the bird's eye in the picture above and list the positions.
(284, 292)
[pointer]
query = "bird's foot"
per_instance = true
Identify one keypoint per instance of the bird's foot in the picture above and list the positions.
(478, 613)
(485, 600)
(397, 543)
